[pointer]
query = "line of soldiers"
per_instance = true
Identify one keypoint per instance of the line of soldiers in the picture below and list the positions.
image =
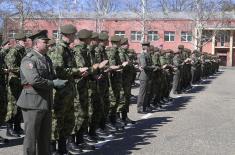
(165, 72)
(96, 98)
(97, 95)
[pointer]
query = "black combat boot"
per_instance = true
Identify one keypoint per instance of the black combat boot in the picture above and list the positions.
(62, 146)
(53, 148)
(71, 146)
(11, 132)
(3, 140)
(18, 129)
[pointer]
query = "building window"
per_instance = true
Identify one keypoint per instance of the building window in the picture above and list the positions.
(120, 33)
(136, 35)
(207, 36)
(153, 36)
(186, 36)
(11, 34)
(55, 34)
(169, 36)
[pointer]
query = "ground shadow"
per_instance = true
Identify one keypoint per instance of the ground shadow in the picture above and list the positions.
(133, 138)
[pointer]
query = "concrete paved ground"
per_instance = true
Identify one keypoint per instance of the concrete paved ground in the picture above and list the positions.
(201, 122)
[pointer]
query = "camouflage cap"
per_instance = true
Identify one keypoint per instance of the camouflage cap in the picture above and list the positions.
(145, 43)
(95, 35)
(103, 36)
(195, 51)
(131, 50)
(20, 36)
(124, 41)
(181, 47)
(84, 34)
(40, 35)
(5, 42)
(156, 49)
(115, 39)
(68, 29)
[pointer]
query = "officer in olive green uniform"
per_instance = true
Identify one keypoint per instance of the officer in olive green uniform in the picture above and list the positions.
(127, 76)
(36, 97)
(156, 78)
(147, 67)
(13, 60)
(3, 85)
(63, 109)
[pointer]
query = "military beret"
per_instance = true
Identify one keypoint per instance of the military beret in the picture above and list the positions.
(115, 38)
(124, 41)
(68, 29)
(195, 51)
(181, 47)
(95, 35)
(5, 42)
(187, 50)
(131, 50)
(20, 36)
(145, 43)
(156, 49)
(84, 34)
(51, 42)
(40, 35)
(103, 36)
(168, 51)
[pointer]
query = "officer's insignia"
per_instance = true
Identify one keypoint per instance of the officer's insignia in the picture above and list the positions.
(30, 65)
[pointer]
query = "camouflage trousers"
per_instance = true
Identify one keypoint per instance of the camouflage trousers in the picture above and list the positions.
(13, 111)
(81, 106)
(63, 118)
(126, 91)
(104, 101)
(96, 108)
(3, 103)
(116, 97)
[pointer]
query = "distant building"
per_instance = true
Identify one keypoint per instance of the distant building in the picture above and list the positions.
(166, 31)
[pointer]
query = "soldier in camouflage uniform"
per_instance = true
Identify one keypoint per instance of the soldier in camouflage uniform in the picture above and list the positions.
(82, 100)
(13, 60)
(101, 55)
(95, 102)
(133, 59)
(115, 78)
(63, 118)
(3, 85)
(177, 63)
(127, 76)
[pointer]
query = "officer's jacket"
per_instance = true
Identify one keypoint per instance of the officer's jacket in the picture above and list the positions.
(36, 74)
(145, 63)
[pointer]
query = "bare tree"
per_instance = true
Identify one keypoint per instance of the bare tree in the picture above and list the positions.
(143, 10)
(202, 12)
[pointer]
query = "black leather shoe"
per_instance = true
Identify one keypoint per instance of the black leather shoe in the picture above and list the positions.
(71, 146)
(53, 149)
(85, 146)
(11, 132)
(3, 140)
(18, 129)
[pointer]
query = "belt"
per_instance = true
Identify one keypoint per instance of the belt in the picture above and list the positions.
(27, 86)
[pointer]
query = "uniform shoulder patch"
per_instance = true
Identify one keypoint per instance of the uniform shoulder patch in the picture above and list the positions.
(30, 54)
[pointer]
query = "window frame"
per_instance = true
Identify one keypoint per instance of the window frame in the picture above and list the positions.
(187, 35)
(153, 35)
(169, 35)
(136, 36)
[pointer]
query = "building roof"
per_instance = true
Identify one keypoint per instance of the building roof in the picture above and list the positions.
(127, 15)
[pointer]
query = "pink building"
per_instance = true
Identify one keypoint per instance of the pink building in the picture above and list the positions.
(164, 31)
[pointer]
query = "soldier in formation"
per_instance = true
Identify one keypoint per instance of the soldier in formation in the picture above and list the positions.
(92, 86)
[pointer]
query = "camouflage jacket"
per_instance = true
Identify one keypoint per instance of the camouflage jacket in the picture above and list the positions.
(13, 59)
